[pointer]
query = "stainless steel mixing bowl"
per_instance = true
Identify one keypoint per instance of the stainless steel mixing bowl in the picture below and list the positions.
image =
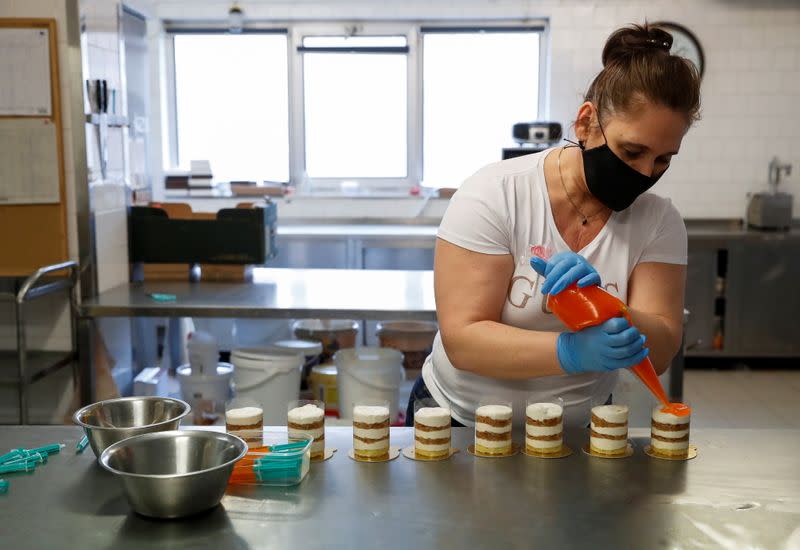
(174, 474)
(107, 422)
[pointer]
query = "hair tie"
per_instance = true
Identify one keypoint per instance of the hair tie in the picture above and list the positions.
(658, 44)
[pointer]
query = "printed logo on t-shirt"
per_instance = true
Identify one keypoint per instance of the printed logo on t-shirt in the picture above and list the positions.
(522, 289)
(525, 283)
(540, 251)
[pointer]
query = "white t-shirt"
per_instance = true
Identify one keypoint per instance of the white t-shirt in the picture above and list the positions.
(505, 209)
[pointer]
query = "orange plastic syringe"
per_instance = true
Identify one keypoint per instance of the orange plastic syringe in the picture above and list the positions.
(579, 308)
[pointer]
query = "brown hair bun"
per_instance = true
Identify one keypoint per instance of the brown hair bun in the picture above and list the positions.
(629, 41)
(637, 68)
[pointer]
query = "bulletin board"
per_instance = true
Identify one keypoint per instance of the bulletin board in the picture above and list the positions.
(33, 221)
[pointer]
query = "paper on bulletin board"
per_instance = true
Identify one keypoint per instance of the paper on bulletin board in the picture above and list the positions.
(28, 161)
(25, 66)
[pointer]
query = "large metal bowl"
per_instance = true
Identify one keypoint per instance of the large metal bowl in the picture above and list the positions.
(107, 422)
(174, 474)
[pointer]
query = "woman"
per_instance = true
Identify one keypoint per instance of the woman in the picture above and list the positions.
(585, 207)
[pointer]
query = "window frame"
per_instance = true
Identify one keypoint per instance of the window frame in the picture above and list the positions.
(295, 33)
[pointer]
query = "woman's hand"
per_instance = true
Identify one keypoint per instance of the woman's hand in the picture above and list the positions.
(612, 345)
(563, 269)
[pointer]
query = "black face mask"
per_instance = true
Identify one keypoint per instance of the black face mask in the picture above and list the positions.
(610, 179)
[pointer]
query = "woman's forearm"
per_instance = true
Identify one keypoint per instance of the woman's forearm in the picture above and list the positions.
(663, 338)
(489, 348)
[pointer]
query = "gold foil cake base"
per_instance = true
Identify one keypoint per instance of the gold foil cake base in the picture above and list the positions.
(394, 452)
(563, 452)
(410, 452)
(514, 450)
(628, 452)
(691, 453)
(328, 454)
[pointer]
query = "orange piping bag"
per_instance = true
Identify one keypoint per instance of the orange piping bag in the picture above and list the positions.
(579, 308)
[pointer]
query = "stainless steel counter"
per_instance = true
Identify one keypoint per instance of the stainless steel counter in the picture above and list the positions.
(413, 229)
(725, 232)
(280, 294)
(359, 231)
(274, 293)
(742, 491)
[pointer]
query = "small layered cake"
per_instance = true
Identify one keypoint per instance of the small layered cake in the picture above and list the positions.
(371, 432)
(669, 434)
(432, 432)
(247, 423)
(309, 420)
(609, 430)
(544, 428)
(493, 430)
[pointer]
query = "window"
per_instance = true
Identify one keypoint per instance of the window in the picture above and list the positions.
(476, 85)
(355, 106)
(231, 104)
(385, 104)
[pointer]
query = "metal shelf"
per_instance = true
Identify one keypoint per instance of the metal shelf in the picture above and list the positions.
(39, 365)
(32, 366)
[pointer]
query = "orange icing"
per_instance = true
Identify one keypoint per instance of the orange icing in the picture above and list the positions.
(677, 409)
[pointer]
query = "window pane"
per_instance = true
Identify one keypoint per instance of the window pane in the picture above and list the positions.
(353, 41)
(355, 115)
(232, 104)
(475, 87)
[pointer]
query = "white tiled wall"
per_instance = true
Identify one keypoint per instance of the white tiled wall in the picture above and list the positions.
(750, 90)
(751, 83)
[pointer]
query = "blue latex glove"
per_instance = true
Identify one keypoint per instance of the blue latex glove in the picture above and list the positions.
(563, 269)
(612, 345)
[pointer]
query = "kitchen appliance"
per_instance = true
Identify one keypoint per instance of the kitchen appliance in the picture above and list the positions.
(536, 132)
(772, 209)
(532, 137)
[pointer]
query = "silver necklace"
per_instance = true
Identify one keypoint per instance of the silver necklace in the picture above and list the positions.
(575, 206)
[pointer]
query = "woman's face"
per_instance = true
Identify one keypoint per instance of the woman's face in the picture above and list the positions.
(646, 138)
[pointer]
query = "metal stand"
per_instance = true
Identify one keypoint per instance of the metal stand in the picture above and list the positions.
(32, 289)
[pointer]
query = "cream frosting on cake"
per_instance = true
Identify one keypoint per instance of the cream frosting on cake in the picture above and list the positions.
(493, 429)
(244, 416)
(370, 431)
(432, 432)
(544, 427)
(609, 429)
(309, 420)
(669, 434)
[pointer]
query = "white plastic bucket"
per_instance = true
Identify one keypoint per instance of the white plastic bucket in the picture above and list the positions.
(206, 393)
(368, 373)
(271, 377)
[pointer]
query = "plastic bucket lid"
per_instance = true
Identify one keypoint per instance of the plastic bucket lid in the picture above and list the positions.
(309, 348)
